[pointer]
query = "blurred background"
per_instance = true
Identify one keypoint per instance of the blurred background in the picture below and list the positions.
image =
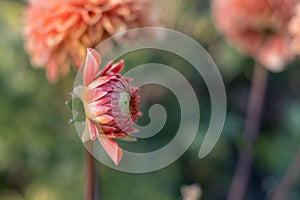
(42, 157)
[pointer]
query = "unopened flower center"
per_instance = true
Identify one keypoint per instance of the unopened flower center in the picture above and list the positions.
(124, 102)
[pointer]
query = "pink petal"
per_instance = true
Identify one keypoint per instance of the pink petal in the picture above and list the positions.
(100, 81)
(102, 101)
(133, 130)
(112, 149)
(116, 135)
(118, 67)
(92, 129)
(107, 128)
(96, 110)
(93, 95)
(106, 68)
(104, 119)
(91, 66)
(107, 87)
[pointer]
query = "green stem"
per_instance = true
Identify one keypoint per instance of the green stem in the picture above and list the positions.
(258, 88)
(90, 177)
(288, 180)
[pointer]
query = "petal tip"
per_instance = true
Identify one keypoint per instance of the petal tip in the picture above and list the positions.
(112, 149)
(91, 65)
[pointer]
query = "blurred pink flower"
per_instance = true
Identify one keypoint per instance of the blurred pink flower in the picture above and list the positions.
(110, 103)
(258, 28)
(294, 29)
(57, 33)
(191, 192)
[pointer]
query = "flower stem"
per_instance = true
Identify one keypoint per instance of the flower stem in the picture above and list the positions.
(288, 180)
(256, 98)
(90, 177)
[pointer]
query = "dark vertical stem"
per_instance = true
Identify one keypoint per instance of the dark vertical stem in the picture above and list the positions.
(90, 176)
(288, 180)
(256, 98)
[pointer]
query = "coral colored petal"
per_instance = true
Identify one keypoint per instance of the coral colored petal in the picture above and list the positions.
(107, 24)
(115, 135)
(112, 149)
(106, 68)
(107, 87)
(52, 69)
(100, 81)
(107, 128)
(104, 119)
(102, 101)
(91, 66)
(132, 130)
(92, 129)
(96, 110)
(91, 19)
(93, 95)
(118, 67)
(65, 24)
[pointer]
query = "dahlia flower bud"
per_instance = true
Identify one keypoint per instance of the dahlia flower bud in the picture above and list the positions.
(110, 104)
(57, 33)
(258, 28)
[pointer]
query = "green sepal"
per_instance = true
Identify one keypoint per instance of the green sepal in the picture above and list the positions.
(80, 117)
(76, 105)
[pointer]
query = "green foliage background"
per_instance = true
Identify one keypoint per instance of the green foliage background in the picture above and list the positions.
(41, 156)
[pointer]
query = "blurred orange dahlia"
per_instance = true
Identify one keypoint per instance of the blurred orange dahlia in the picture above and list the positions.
(294, 29)
(258, 28)
(57, 33)
(110, 104)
